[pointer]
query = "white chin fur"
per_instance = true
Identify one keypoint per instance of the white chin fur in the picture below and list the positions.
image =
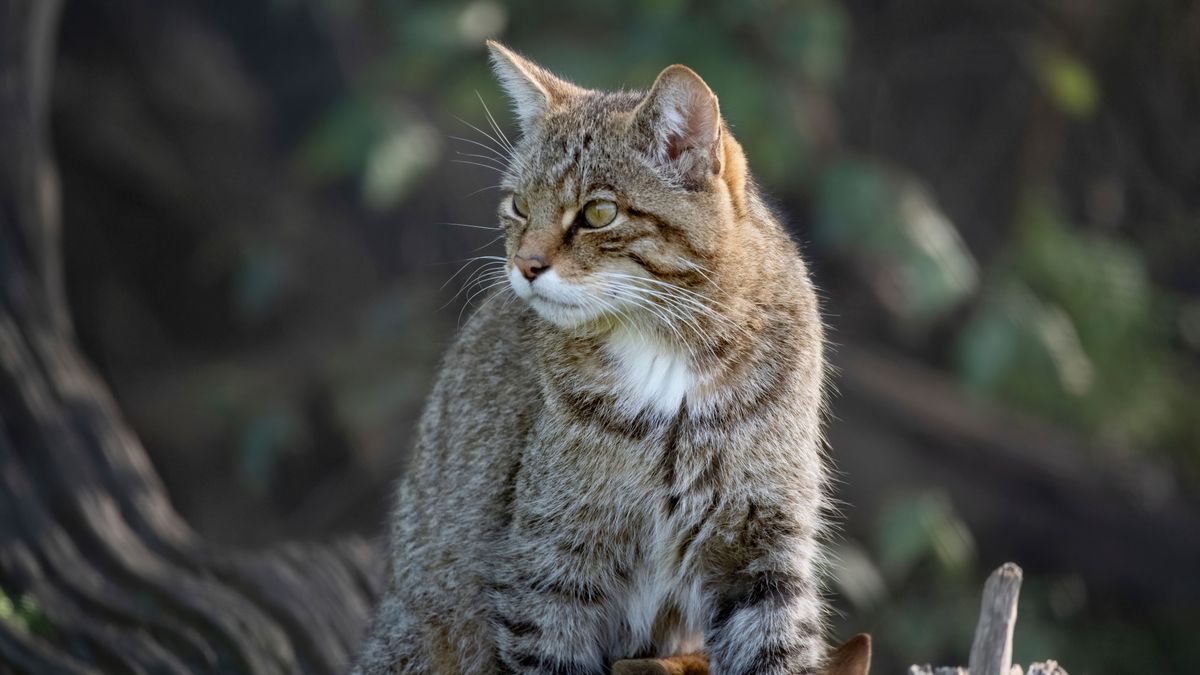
(652, 374)
(557, 301)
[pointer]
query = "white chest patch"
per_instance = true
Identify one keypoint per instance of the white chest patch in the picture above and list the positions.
(651, 374)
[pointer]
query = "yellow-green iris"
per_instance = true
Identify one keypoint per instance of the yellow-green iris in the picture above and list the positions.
(521, 205)
(599, 212)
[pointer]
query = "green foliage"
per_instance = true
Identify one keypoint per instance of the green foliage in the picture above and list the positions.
(1072, 327)
(920, 528)
(341, 142)
(262, 274)
(1068, 83)
(386, 150)
(813, 40)
(909, 250)
(768, 59)
(23, 613)
(265, 438)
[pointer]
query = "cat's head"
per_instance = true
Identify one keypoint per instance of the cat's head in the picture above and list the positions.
(617, 205)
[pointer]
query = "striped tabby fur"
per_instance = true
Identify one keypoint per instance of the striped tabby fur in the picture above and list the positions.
(626, 462)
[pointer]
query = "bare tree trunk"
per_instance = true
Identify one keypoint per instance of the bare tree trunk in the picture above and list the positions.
(97, 571)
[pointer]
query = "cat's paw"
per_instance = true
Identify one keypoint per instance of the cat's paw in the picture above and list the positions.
(689, 664)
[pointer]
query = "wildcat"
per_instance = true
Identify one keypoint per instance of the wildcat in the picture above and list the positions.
(627, 462)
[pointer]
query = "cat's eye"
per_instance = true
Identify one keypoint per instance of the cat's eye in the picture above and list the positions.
(520, 205)
(599, 212)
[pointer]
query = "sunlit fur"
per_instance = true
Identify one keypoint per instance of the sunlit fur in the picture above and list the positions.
(626, 461)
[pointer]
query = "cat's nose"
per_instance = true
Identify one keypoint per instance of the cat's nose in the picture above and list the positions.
(531, 266)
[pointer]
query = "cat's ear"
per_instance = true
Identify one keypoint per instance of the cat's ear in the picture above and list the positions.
(534, 91)
(682, 121)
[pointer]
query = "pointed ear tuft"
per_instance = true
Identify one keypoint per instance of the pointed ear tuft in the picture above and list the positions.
(683, 119)
(534, 91)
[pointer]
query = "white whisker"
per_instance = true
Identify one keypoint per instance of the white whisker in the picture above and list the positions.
(483, 275)
(694, 300)
(486, 166)
(475, 227)
(664, 314)
(480, 248)
(476, 293)
(515, 159)
(467, 263)
(502, 164)
(704, 271)
(496, 127)
(486, 187)
(638, 294)
(497, 154)
(505, 292)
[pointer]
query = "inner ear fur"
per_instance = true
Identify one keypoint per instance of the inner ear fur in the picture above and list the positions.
(682, 119)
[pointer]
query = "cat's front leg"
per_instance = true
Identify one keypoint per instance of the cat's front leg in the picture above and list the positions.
(549, 616)
(765, 609)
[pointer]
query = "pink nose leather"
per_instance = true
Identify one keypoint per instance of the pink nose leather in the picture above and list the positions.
(531, 266)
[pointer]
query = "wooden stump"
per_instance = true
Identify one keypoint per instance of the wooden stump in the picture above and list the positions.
(991, 651)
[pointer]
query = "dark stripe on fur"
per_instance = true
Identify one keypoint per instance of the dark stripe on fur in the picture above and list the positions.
(670, 233)
(672, 502)
(517, 627)
(711, 475)
(753, 589)
(778, 658)
(771, 529)
(584, 593)
(670, 453)
(601, 409)
(778, 384)
(508, 493)
(689, 539)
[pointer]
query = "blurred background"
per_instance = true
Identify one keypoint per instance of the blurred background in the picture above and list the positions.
(266, 203)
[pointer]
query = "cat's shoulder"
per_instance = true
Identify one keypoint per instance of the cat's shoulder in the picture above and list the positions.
(495, 333)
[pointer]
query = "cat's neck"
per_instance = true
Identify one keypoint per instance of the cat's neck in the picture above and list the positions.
(650, 367)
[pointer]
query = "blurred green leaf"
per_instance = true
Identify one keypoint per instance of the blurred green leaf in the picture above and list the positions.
(1072, 328)
(923, 526)
(813, 39)
(396, 162)
(480, 20)
(23, 614)
(261, 278)
(263, 440)
(857, 577)
(855, 208)
(342, 141)
(1069, 83)
(911, 253)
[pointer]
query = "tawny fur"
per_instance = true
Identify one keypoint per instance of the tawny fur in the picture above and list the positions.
(625, 461)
